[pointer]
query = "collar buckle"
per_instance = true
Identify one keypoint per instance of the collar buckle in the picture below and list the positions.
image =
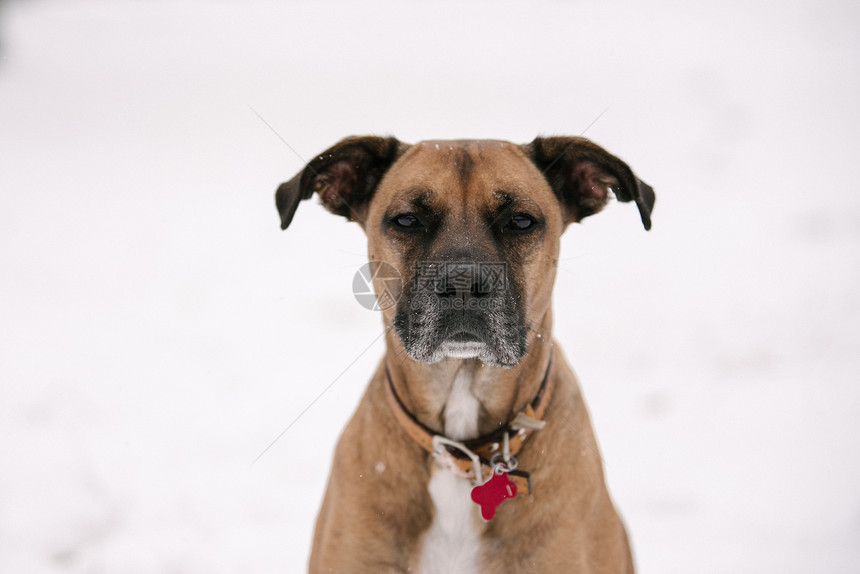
(444, 457)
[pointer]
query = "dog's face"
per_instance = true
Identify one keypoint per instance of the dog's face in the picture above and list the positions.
(465, 223)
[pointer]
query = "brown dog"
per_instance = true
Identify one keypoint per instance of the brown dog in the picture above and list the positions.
(470, 402)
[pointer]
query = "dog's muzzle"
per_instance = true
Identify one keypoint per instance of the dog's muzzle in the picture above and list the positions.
(462, 309)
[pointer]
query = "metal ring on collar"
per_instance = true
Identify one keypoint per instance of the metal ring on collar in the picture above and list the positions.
(498, 460)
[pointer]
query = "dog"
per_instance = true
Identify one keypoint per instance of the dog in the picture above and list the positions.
(472, 449)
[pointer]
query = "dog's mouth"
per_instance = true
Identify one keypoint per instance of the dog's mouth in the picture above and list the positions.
(463, 337)
(463, 345)
(434, 326)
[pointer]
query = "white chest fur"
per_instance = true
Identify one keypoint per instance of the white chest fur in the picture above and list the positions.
(452, 545)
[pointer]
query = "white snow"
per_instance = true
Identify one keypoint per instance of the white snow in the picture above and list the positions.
(159, 330)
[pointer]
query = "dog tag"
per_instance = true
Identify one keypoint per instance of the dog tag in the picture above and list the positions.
(490, 495)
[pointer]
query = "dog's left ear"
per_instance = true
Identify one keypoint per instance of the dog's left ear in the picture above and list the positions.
(582, 173)
(345, 177)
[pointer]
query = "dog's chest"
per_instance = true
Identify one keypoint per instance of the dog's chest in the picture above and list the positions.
(453, 542)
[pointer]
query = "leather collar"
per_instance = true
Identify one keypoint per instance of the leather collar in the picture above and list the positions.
(456, 455)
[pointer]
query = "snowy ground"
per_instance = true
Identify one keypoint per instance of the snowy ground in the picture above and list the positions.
(159, 331)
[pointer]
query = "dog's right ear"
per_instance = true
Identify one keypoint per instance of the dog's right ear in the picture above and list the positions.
(345, 177)
(582, 174)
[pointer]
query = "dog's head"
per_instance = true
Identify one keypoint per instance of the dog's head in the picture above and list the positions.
(472, 227)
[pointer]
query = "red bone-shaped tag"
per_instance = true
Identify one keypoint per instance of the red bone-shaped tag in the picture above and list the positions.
(493, 493)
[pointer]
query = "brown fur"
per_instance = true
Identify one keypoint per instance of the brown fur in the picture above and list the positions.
(374, 520)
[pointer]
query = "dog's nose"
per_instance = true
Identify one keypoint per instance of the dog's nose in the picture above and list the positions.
(462, 280)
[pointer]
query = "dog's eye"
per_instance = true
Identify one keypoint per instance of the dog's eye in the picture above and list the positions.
(519, 223)
(407, 221)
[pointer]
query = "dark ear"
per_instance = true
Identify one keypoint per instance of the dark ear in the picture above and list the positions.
(582, 173)
(345, 177)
